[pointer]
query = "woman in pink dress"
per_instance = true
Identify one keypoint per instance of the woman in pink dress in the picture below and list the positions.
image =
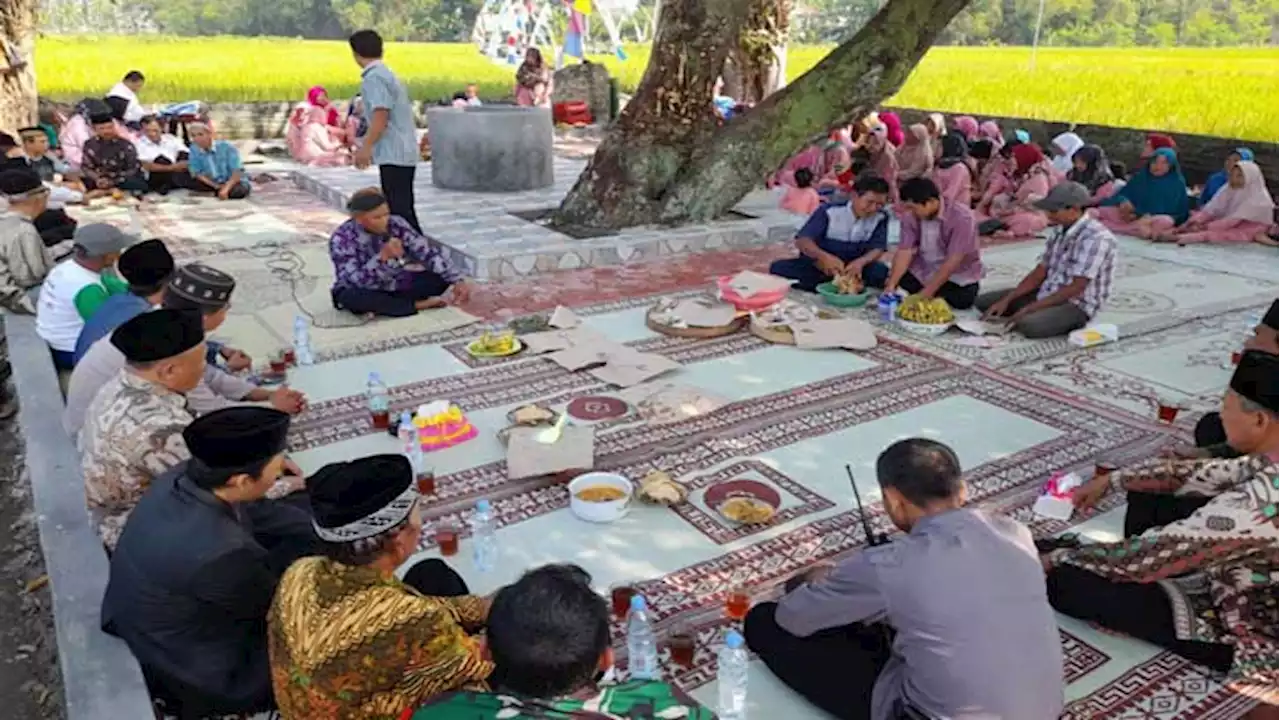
(316, 143)
(533, 80)
(1031, 182)
(809, 158)
(954, 175)
(990, 130)
(967, 125)
(1236, 214)
(915, 157)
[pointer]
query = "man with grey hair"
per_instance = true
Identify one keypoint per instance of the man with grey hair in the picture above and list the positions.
(215, 165)
(1072, 281)
(24, 260)
(76, 288)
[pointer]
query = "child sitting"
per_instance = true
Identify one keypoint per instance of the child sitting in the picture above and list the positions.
(802, 198)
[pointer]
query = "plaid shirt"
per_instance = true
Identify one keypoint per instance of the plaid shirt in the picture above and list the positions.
(1086, 249)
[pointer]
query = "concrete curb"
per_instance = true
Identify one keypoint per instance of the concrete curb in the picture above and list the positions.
(99, 675)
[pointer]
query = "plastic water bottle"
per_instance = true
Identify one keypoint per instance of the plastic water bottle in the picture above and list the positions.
(731, 676)
(484, 537)
(888, 306)
(642, 648)
(302, 340)
(379, 399)
(407, 433)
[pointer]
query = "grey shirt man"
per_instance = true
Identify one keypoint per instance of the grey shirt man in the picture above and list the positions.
(965, 591)
(381, 89)
(103, 361)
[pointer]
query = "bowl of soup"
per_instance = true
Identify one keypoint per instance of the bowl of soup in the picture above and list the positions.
(600, 497)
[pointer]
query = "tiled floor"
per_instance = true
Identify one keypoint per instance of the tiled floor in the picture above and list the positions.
(1015, 412)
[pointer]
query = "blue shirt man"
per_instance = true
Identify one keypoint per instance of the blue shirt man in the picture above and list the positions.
(844, 239)
(216, 164)
(392, 141)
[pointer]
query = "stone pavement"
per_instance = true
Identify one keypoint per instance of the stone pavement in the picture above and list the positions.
(788, 419)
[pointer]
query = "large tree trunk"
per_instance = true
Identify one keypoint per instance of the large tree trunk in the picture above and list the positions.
(758, 62)
(665, 160)
(17, 64)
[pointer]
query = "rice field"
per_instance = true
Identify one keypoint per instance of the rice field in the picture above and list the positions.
(1224, 92)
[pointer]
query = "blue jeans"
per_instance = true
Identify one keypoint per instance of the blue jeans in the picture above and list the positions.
(807, 276)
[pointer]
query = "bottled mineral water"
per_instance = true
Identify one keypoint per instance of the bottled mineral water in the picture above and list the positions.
(484, 537)
(412, 446)
(642, 648)
(731, 676)
(379, 399)
(302, 340)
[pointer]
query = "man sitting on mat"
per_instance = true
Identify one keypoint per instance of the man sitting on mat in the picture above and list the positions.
(950, 620)
(844, 239)
(1196, 573)
(937, 253)
(382, 266)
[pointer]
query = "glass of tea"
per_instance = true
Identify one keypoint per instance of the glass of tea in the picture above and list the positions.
(1103, 468)
(426, 480)
(278, 363)
(290, 357)
(1167, 411)
(682, 642)
(447, 540)
(737, 603)
(620, 597)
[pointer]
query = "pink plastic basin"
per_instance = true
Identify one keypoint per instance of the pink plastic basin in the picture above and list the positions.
(759, 301)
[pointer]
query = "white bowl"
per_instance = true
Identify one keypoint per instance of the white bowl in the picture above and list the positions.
(600, 512)
(923, 328)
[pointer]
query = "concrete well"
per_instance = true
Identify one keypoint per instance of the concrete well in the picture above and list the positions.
(491, 148)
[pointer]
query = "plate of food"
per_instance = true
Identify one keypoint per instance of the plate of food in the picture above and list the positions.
(659, 488)
(844, 291)
(931, 316)
(489, 345)
(746, 502)
(600, 496)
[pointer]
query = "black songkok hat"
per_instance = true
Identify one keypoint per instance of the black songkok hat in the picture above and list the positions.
(20, 181)
(362, 498)
(146, 264)
(158, 334)
(200, 284)
(1270, 318)
(1256, 378)
(237, 437)
(118, 107)
(101, 118)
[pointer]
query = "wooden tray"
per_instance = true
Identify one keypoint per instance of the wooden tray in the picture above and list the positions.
(696, 333)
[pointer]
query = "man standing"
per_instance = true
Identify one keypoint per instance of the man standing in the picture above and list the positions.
(215, 165)
(192, 577)
(128, 89)
(987, 647)
(1071, 282)
(844, 239)
(391, 142)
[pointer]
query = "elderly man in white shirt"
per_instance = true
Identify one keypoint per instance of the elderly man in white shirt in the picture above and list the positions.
(128, 89)
(163, 157)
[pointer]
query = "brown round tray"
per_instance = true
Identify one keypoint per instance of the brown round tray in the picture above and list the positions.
(777, 335)
(697, 333)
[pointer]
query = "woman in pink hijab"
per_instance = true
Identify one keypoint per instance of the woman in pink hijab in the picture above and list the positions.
(1031, 179)
(318, 97)
(1236, 214)
(314, 143)
(893, 128)
(915, 157)
(967, 125)
(884, 159)
(990, 130)
(809, 158)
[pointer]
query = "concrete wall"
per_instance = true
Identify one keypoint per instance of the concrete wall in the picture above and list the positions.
(100, 677)
(1200, 155)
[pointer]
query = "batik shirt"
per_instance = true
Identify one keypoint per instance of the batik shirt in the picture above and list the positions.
(114, 159)
(356, 264)
(1218, 566)
(638, 700)
(132, 435)
(348, 643)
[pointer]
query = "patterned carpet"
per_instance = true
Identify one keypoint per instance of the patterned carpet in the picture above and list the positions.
(788, 418)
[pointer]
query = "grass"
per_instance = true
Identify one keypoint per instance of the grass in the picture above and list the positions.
(1224, 92)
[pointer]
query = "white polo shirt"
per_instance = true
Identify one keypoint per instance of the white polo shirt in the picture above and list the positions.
(57, 320)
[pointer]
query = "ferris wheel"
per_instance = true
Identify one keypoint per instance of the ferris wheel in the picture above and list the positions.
(505, 28)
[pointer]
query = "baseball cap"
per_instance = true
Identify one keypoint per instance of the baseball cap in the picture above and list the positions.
(1062, 196)
(100, 239)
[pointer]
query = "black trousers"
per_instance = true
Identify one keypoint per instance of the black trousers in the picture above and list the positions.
(163, 182)
(397, 187)
(239, 192)
(55, 226)
(835, 669)
(360, 301)
(958, 297)
(1138, 609)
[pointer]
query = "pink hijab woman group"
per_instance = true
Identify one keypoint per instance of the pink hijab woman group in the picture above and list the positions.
(316, 133)
(1030, 179)
(1236, 214)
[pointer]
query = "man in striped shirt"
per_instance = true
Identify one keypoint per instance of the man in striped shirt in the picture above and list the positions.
(1072, 281)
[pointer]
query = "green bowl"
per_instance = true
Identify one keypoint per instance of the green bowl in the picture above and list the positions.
(834, 297)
